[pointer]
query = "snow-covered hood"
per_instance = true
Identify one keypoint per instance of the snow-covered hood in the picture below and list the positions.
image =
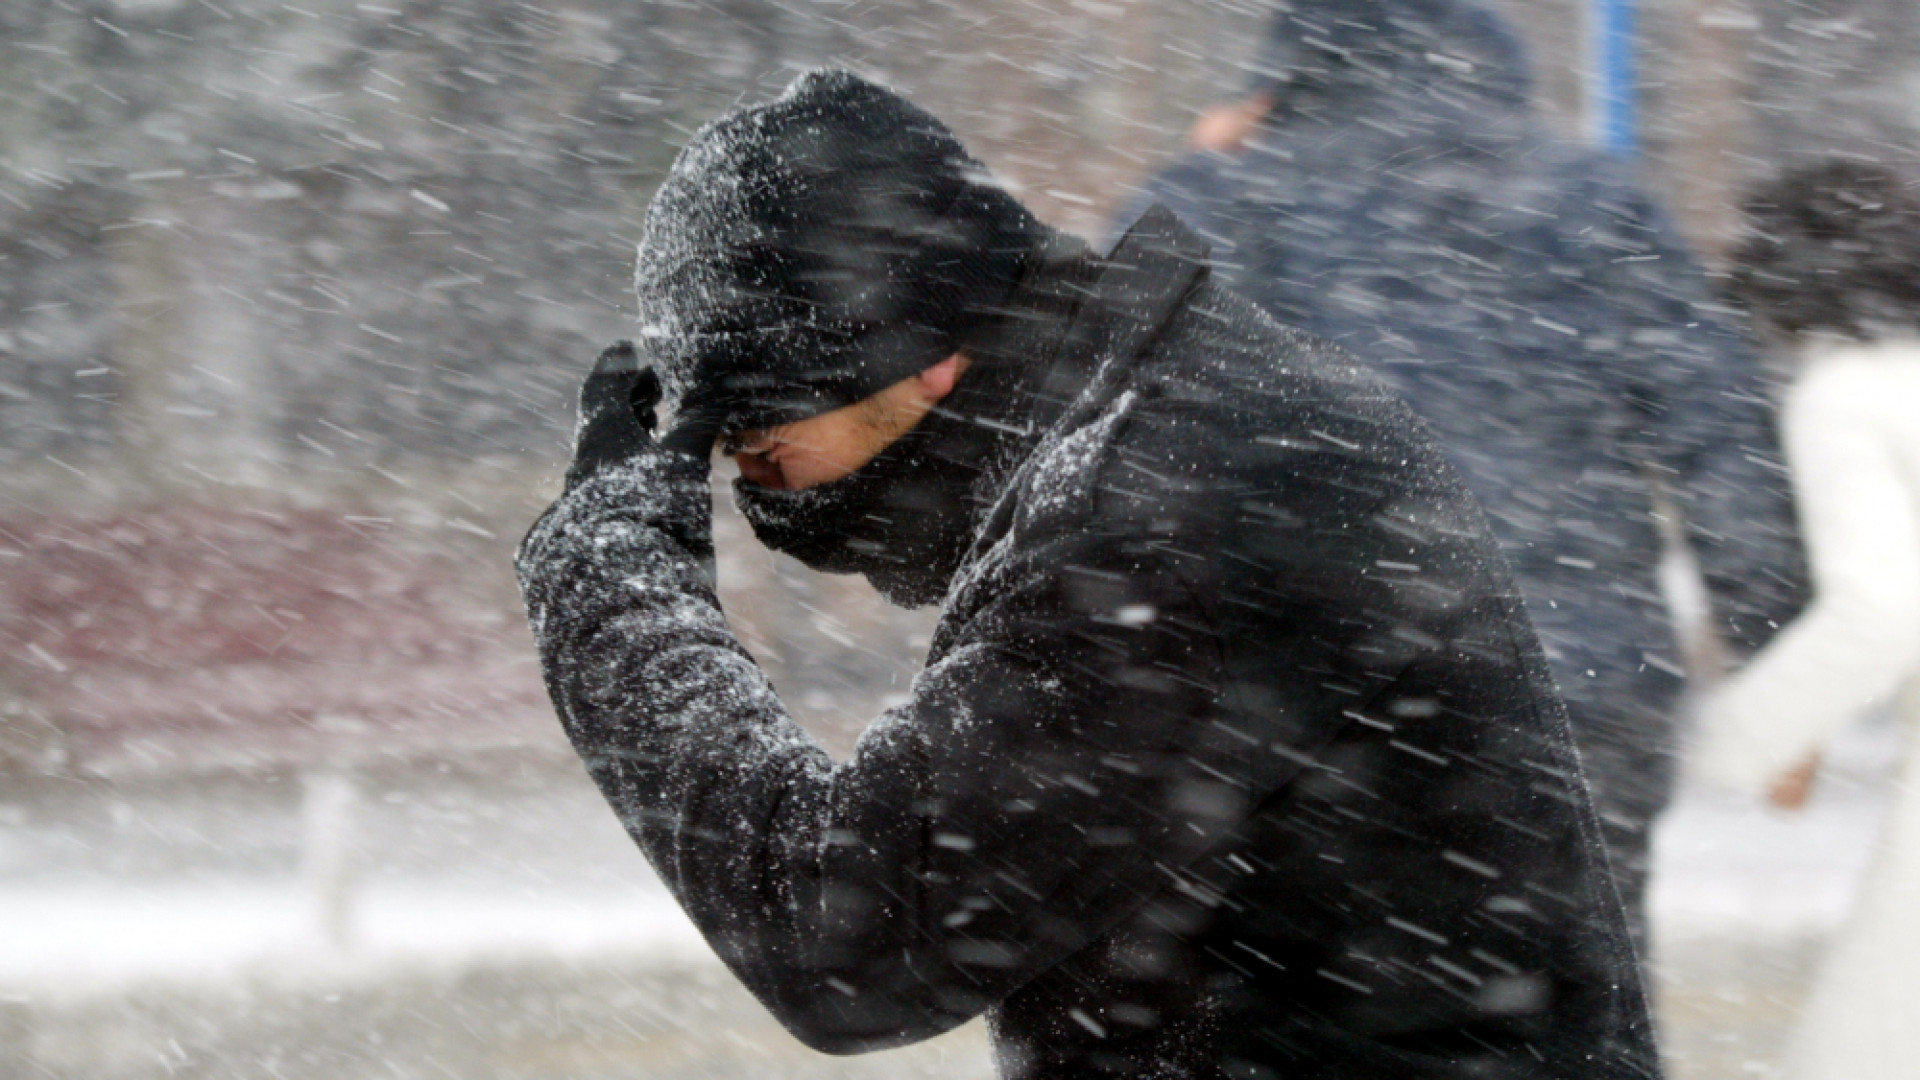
(1396, 56)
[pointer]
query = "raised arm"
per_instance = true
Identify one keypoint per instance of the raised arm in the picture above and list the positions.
(1013, 811)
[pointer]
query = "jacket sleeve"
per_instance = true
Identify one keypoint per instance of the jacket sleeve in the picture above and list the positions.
(1861, 635)
(1015, 809)
(1707, 426)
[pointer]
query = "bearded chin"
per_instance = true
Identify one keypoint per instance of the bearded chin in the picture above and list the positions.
(906, 534)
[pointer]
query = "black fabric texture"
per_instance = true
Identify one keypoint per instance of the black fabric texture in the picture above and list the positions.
(805, 253)
(615, 418)
(614, 431)
(1233, 755)
(1541, 313)
(899, 520)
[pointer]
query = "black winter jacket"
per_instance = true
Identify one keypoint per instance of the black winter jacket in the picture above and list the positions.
(1234, 754)
(1542, 315)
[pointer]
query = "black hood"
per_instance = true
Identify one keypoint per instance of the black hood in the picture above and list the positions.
(1439, 60)
(804, 253)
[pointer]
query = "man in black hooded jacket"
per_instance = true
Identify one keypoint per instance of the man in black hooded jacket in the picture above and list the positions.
(1233, 756)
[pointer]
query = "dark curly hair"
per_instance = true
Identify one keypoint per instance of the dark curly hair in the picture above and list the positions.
(1832, 247)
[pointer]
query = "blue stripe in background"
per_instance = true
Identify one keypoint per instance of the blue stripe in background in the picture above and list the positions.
(1615, 98)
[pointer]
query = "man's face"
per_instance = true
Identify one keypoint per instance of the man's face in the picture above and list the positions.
(825, 448)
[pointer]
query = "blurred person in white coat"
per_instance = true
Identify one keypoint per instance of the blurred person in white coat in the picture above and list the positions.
(1832, 266)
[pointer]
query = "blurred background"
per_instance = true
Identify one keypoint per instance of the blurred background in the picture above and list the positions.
(293, 302)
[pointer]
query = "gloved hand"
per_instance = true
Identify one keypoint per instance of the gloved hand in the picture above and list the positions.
(617, 404)
(666, 477)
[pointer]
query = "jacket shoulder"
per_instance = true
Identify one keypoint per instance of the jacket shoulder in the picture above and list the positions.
(1227, 374)
(1263, 436)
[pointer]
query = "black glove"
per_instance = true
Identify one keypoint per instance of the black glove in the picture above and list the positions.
(668, 475)
(617, 404)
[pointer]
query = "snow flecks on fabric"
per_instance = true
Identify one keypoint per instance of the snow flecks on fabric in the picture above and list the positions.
(1062, 472)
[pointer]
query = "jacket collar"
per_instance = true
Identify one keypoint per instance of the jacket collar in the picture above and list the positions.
(1128, 299)
(1064, 341)
(1147, 277)
(1138, 288)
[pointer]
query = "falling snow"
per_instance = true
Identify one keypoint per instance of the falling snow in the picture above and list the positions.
(295, 300)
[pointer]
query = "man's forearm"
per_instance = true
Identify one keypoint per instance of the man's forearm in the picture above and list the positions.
(636, 651)
(730, 800)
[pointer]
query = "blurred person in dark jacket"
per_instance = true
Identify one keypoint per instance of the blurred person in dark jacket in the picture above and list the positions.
(1234, 754)
(1383, 184)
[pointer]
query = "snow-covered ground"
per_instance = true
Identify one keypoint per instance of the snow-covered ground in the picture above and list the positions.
(491, 920)
(69, 939)
(233, 903)
(213, 878)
